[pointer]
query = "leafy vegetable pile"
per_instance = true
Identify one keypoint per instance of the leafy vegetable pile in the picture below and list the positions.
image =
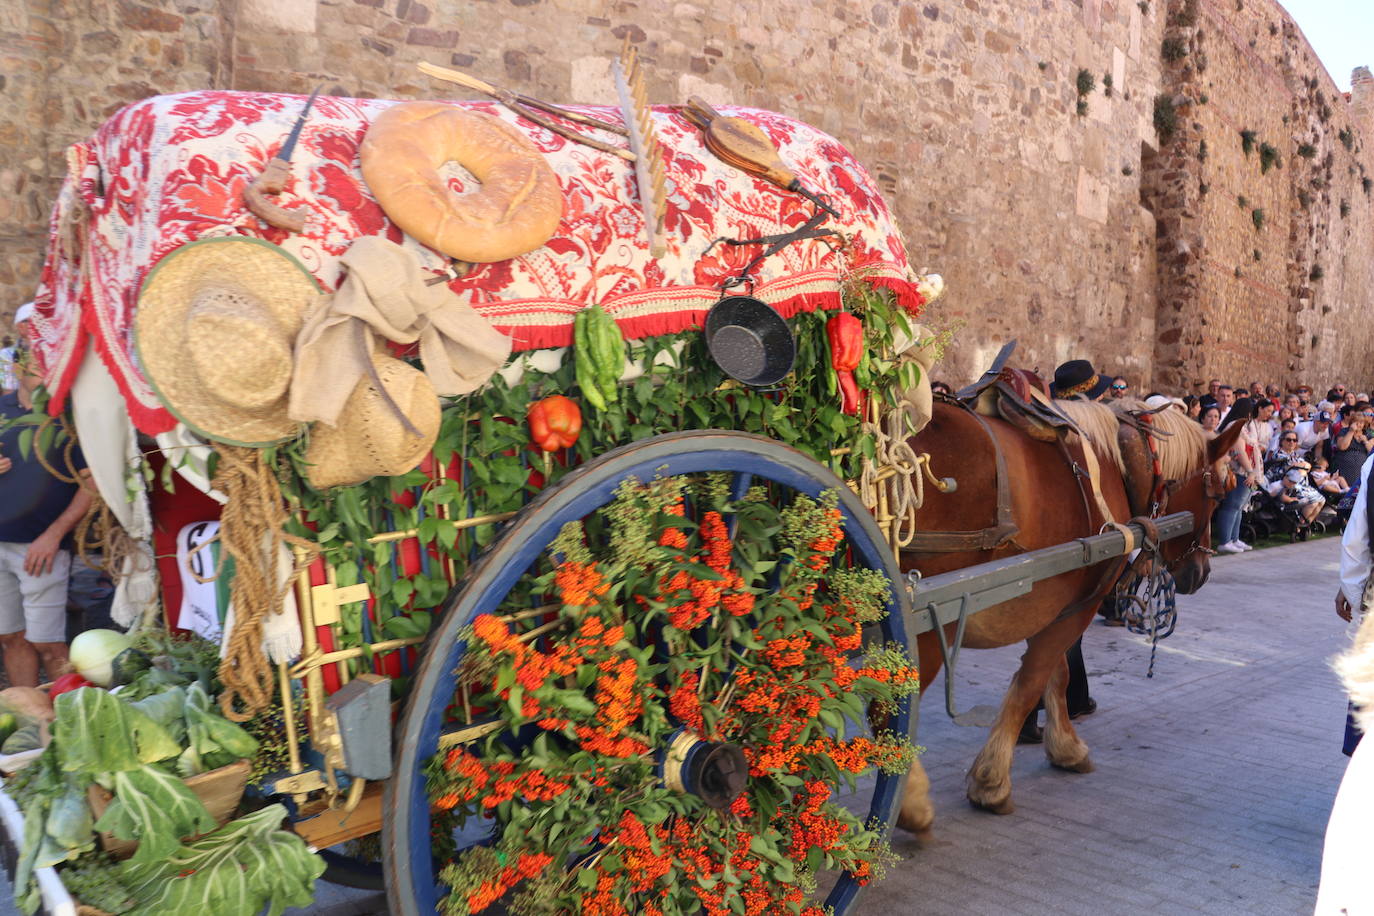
(138, 744)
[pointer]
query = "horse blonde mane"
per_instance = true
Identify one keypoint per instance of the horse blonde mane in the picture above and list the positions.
(1181, 451)
(1356, 670)
(1098, 423)
(1184, 449)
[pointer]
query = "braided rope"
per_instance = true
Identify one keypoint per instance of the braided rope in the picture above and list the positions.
(251, 532)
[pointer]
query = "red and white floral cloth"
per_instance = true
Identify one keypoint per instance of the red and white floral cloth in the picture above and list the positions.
(172, 169)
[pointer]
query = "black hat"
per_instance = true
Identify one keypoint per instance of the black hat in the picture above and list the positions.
(1078, 377)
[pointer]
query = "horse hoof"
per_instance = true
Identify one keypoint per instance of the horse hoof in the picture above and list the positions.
(1082, 765)
(1003, 805)
(920, 832)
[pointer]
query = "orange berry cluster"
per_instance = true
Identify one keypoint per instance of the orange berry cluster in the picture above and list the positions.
(579, 584)
(471, 780)
(685, 704)
(619, 703)
(488, 892)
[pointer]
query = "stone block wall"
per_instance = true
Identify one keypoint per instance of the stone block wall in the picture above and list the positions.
(1054, 214)
(1266, 173)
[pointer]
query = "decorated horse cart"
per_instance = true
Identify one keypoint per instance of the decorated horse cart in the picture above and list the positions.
(555, 499)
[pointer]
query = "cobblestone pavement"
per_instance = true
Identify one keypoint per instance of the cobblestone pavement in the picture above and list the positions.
(1213, 781)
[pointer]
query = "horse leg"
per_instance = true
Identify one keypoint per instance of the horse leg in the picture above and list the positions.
(917, 812)
(1063, 747)
(989, 779)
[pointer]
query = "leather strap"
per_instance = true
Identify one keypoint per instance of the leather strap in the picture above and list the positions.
(984, 538)
(1082, 457)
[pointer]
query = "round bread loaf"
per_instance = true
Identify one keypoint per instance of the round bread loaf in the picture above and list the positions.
(516, 209)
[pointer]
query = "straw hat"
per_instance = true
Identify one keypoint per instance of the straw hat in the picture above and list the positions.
(371, 439)
(216, 323)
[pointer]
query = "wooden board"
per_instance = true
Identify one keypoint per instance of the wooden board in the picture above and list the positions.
(219, 790)
(330, 827)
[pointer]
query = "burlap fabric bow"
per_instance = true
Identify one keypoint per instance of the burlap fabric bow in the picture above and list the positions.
(385, 291)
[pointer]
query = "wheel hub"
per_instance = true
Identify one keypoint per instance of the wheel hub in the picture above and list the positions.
(714, 771)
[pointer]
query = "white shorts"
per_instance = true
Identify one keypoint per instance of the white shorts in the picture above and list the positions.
(33, 605)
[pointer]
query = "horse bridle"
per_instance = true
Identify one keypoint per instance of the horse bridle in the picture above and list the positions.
(1167, 488)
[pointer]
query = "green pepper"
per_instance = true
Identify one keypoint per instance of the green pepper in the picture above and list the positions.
(598, 356)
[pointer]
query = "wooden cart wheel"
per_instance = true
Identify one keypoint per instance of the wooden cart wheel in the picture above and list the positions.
(703, 781)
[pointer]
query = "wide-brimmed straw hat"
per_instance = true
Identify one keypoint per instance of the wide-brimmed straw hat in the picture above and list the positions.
(378, 434)
(216, 323)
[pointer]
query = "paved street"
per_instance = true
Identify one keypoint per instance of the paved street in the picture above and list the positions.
(1213, 782)
(1213, 779)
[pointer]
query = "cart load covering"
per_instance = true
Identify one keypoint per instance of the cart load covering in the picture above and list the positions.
(172, 169)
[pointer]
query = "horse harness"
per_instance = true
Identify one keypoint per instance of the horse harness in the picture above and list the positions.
(1019, 397)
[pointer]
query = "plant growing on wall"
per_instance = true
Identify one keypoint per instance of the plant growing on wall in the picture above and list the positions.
(1202, 151)
(1345, 208)
(1247, 141)
(1257, 217)
(1366, 183)
(1242, 201)
(1086, 84)
(1173, 49)
(1187, 15)
(1165, 118)
(1347, 138)
(1317, 272)
(1269, 157)
(1107, 85)
(1307, 150)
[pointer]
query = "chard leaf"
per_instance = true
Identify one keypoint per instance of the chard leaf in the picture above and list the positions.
(98, 732)
(238, 870)
(155, 808)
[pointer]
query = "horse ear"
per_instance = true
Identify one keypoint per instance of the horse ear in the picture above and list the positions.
(1218, 448)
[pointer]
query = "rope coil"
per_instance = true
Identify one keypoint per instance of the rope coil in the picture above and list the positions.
(252, 533)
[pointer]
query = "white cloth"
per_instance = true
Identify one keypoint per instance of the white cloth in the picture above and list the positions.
(110, 446)
(1355, 556)
(281, 631)
(1346, 887)
(189, 454)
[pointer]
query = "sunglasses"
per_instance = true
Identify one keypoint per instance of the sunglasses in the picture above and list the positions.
(1118, 387)
(1289, 439)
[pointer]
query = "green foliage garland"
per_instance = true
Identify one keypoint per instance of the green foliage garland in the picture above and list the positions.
(486, 431)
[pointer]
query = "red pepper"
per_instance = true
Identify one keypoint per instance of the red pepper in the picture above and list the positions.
(66, 682)
(846, 335)
(555, 422)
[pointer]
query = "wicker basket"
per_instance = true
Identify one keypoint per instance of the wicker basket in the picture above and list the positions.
(220, 791)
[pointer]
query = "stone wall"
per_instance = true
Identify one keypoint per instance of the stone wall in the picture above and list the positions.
(1264, 266)
(1053, 213)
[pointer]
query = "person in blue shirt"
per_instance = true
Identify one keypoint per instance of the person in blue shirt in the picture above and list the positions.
(37, 514)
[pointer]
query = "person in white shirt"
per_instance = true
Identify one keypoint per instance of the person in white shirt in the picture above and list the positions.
(1346, 888)
(9, 379)
(1310, 432)
(9, 355)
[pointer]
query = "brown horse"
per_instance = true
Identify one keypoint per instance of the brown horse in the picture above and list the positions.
(1049, 508)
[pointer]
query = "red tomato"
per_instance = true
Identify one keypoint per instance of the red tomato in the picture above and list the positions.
(68, 682)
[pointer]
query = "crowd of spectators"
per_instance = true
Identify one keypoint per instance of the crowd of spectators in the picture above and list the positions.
(1300, 453)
